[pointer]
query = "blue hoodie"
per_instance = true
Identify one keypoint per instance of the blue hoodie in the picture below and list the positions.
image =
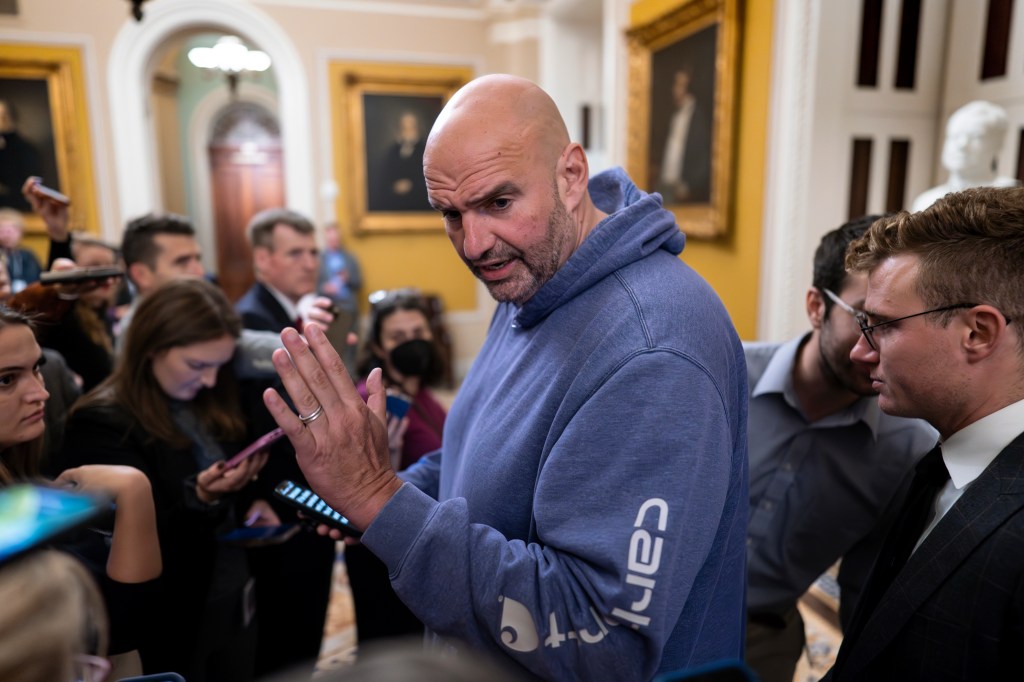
(586, 515)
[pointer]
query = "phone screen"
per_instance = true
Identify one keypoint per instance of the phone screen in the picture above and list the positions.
(32, 516)
(314, 508)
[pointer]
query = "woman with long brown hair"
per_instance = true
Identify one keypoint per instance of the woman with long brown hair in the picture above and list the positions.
(126, 563)
(170, 409)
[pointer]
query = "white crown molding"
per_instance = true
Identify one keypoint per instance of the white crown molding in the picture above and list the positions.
(404, 9)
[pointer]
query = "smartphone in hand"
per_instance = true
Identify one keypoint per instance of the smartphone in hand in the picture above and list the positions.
(260, 443)
(33, 516)
(398, 405)
(80, 275)
(260, 536)
(41, 190)
(313, 508)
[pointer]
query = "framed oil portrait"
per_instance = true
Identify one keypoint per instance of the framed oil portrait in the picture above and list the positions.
(44, 130)
(682, 102)
(381, 116)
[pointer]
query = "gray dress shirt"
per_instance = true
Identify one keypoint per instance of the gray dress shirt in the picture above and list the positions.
(817, 490)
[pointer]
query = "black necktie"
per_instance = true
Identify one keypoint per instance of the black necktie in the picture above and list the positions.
(929, 478)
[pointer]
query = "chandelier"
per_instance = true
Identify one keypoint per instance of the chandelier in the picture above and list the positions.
(230, 56)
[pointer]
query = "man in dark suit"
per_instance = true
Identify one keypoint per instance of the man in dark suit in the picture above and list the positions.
(942, 339)
(292, 580)
(285, 259)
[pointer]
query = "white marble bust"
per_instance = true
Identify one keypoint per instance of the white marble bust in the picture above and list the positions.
(974, 137)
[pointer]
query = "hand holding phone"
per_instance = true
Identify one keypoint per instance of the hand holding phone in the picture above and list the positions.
(261, 443)
(398, 404)
(313, 508)
(50, 194)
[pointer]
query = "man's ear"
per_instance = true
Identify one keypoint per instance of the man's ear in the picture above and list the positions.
(260, 256)
(986, 329)
(141, 276)
(573, 175)
(815, 304)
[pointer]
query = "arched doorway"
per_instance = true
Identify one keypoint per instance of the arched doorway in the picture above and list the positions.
(128, 75)
(246, 176)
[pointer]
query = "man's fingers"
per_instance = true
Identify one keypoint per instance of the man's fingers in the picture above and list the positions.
(304, 378)
(376, 395)
(287, 420)
(328, 368)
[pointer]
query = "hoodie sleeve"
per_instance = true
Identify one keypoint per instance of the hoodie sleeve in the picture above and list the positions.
(630, 503)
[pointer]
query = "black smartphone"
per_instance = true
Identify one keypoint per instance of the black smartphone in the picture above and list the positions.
(34, 516)
(80, 275)
(260, 536)
(313, 508)
(398, 405)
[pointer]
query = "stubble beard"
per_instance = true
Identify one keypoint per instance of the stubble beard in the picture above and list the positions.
(537, 267)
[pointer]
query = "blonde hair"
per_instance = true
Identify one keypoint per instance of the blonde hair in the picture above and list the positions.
(52, 612)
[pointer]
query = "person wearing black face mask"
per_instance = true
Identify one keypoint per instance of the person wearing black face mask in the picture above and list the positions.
(400, 342)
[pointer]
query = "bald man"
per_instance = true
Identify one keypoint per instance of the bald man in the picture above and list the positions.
(586, 515)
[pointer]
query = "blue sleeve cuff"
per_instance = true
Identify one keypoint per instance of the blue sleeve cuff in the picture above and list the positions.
(398, 525)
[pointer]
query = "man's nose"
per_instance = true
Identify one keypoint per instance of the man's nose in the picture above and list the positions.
(862, 352)
(477, 237)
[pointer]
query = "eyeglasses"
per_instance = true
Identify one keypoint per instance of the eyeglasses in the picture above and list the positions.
(869, 329)
(842, 304)
(91, 668)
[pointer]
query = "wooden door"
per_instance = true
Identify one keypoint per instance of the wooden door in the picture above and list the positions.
(245, 181)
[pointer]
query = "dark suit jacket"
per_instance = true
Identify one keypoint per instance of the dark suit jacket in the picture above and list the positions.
(260, 310)
(293, 580)
(956, 610)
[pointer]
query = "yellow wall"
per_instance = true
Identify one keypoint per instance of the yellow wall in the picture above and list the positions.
(731, 264)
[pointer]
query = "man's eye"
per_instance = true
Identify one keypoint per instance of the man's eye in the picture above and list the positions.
(502, 204)
(451, 216)
(6, 380)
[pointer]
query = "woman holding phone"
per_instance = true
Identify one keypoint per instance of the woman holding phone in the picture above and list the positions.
(124, 564)
(400, 342)
(170, 409)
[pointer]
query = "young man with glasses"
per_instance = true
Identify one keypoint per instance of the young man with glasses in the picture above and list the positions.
(941, 340)
(824, 461)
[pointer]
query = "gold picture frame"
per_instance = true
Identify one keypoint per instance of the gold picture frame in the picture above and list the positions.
(47, 83)
(682, 104)
(381, 179)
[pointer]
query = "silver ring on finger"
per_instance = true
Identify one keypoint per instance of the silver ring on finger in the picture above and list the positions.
(313, 416)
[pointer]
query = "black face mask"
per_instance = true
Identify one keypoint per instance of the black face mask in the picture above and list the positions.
(414, 358)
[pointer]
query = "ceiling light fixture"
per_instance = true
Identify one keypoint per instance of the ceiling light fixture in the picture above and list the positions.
(232, 57)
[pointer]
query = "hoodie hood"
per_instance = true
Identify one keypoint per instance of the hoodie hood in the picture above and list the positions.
(637, 225)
